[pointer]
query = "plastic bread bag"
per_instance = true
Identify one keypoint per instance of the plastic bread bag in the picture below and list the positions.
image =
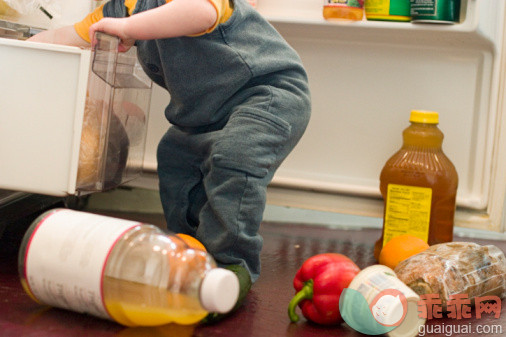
(103, 138)
(454, 268)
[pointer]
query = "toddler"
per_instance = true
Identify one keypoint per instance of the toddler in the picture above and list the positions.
(239, 104)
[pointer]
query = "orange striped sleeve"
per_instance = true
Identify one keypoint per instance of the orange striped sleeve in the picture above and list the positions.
(223, 11)
(130, 5)
(82, 27)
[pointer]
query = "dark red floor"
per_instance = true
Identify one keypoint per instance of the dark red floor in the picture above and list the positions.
(264, 314)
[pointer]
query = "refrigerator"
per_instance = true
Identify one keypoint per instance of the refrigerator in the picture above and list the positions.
(365, 78)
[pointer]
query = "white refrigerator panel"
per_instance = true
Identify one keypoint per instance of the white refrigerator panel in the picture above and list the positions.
(41, 110)
(361, 104)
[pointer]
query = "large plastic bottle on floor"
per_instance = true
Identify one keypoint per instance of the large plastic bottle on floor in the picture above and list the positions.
(121, 270)
(419, 185)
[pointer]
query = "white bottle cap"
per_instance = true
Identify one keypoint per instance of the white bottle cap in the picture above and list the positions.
(219, 290)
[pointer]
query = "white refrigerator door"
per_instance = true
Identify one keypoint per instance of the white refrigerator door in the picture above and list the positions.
(367, 76)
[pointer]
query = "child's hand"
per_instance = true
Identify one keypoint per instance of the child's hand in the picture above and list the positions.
(113, 26)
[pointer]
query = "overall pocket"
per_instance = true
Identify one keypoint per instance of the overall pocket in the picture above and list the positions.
(251, 141)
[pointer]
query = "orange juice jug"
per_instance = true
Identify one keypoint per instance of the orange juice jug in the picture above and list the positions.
(352, 10)
(121, 270)
(419, 185)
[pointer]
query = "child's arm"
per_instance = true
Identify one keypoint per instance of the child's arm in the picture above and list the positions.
(65, 35)
(176, 18)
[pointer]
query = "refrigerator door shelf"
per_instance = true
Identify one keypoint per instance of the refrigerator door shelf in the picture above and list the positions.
(477, 28)
(12, 30)
(54, 110)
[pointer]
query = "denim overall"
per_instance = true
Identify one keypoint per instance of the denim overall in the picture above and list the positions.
(239, 104)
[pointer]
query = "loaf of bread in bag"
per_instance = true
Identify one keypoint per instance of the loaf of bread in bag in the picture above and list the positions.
(104, 148)
(456, 268)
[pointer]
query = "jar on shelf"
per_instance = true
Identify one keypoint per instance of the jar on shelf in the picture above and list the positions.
(388, 10)
(351, 10)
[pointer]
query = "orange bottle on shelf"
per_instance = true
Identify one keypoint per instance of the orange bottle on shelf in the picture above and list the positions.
(352, 10)
(419, 185)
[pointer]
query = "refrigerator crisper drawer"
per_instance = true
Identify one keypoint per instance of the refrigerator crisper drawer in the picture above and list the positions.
(71, 121)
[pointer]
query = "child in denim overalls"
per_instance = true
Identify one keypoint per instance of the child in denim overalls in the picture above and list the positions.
(239, 104)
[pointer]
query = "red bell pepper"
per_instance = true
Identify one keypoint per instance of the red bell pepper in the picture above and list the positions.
(318, 284)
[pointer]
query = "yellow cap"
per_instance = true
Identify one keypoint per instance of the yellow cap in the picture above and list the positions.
(422, 116)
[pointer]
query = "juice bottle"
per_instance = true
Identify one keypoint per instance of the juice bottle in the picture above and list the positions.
(343, 10)
(121, 270)
(419, 185)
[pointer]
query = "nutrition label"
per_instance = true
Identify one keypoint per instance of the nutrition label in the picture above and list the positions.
(66, 257)
(407, 211)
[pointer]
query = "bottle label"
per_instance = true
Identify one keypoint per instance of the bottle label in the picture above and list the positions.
(425, 7)
(343, 3)
(388, 7)
(66, 256)
(407, 211)
(446, 11)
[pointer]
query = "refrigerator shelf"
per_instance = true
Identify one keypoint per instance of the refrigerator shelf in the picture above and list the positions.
(64, 130)
(478, 26)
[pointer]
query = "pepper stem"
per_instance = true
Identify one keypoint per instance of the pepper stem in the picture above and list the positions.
(306, 293)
